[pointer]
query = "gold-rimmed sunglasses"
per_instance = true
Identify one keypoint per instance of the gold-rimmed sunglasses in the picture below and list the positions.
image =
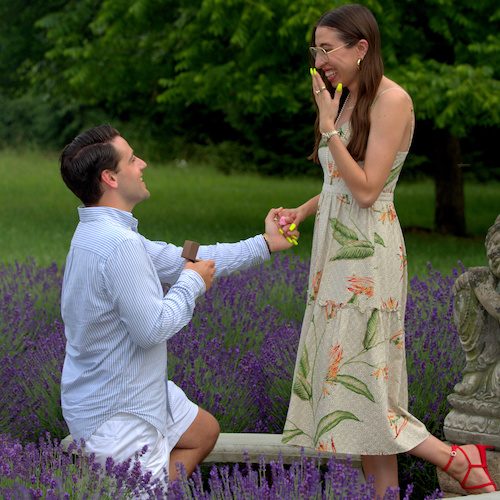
(320, 51)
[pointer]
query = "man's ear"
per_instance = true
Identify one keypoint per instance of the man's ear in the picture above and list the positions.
(108, 178)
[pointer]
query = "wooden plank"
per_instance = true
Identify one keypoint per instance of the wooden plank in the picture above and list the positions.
(230, 448)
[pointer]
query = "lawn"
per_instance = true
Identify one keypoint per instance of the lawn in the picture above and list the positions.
(200, 203)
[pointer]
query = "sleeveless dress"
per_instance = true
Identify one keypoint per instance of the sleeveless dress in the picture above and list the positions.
(349, 391)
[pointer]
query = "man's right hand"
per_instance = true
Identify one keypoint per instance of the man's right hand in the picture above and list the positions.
(205, 268)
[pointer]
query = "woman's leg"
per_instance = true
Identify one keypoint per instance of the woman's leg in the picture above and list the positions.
(384, 468)
(438, 453)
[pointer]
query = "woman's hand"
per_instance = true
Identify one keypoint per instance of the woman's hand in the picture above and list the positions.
(292, 217)
(328, 107)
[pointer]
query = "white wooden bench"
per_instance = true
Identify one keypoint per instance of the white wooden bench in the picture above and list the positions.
(230, 448)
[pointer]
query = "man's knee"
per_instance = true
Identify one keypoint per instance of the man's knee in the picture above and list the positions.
(211, 430)
(202, 434)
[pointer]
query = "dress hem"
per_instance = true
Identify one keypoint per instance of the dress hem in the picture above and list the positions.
(367, 453)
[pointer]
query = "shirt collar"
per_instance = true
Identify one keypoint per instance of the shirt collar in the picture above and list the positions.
(123, 218)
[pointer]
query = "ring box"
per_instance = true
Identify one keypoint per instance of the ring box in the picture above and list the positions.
(190, 250)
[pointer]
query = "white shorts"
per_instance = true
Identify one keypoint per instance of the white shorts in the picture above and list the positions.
(124, 434)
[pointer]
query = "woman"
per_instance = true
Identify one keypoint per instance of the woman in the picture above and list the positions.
(350, 385)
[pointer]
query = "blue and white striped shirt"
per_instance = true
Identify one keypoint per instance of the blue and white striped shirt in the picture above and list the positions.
(117, 319)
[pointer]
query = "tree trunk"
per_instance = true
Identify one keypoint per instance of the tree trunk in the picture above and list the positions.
(449, 215)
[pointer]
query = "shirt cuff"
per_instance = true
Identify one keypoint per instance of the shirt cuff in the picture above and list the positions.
(262, 247)
(194, 280)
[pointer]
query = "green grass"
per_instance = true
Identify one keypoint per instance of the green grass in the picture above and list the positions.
(196, 202)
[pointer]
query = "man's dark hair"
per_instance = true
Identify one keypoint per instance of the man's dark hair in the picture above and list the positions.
(84, 159)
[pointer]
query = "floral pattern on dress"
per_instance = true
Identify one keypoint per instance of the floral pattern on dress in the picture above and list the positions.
(352, 247)
(391, 304)
(315, 285)
(360, 285)
(303, 388)
(381, 373)
(403, 260)
(331, 308)
(397, 339)
(327, 446)
(333, 171)
(344, 199)
(388, 214)
(397, 422)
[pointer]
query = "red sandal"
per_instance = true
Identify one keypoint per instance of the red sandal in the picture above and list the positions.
(483, 465)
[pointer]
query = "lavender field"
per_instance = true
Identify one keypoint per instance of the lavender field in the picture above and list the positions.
(235, 359)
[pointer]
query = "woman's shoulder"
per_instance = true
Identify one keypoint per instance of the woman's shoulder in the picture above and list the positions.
(392, 106)
(391, 92)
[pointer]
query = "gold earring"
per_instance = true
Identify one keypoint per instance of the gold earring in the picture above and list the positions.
(358, 62)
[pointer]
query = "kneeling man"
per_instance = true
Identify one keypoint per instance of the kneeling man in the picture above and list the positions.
(114, 390)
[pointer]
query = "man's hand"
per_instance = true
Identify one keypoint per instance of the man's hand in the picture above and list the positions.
(205, 268)
(274, 238)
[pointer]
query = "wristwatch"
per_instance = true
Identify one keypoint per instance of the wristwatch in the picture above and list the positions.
(328, 135)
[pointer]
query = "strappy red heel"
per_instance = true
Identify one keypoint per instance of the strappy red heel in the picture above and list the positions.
(483, 465)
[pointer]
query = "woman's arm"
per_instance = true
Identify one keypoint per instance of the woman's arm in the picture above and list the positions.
(391, 117)
(310, 207)
(297, 215)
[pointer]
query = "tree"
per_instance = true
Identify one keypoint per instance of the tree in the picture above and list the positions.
(240, 64)
(447, 54)
(235, 72)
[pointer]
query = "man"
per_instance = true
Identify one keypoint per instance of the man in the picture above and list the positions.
(117, 319)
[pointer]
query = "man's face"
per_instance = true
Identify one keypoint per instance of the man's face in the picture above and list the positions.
(131, 188)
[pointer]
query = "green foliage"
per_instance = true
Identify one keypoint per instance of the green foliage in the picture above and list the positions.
(446, 54)
(234, 72)
(20, 45)
(454, 97)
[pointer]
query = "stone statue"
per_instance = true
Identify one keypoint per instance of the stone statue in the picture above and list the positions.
(475, 416)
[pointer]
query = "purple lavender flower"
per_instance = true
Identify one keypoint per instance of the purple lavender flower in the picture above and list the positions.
(305, 478)
(235, 358)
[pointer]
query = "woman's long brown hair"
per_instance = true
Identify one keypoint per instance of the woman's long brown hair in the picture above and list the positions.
(354, 23)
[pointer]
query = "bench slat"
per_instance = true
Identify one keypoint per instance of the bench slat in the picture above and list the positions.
(230, 448)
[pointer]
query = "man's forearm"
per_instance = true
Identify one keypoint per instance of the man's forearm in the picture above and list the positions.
(231, 257)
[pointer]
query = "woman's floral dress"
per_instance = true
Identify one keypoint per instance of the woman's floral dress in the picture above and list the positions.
(349, 392)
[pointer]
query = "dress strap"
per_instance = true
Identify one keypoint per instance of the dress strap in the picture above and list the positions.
(395, 87)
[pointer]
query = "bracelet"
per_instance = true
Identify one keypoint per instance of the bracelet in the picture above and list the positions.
(329, 135)
(267, 243)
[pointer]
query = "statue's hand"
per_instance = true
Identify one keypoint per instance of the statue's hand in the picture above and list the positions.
(461, 283)
(473, 277)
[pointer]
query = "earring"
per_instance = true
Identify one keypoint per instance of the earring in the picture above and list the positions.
(358, 62)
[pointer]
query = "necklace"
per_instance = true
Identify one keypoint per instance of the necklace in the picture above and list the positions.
(342, 109)
(327, 150)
